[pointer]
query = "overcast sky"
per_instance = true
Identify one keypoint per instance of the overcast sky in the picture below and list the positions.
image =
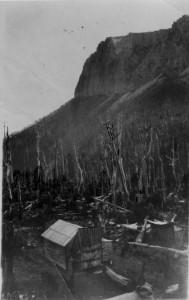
(43, 46)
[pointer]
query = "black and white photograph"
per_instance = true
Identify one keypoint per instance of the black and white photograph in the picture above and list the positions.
(94, 111)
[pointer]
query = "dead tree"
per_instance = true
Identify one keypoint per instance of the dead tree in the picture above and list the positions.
(113, 175)
(81, 187)
(172, 161)
(8, 227)
(118, 161)
(162, 173)
(106, 162)
(27, 155)
(146, 153)
(38, 151)
(38, 137)
(152, 173)
(8, 165)
(45, 167)
(104, 154)
(20, 203)
(62, 158)
(101, 165)
(113, 183)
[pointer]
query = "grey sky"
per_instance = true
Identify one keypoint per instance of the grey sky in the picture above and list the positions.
(45, 44)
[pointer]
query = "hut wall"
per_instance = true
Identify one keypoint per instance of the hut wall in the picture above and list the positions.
(56, 253)
(107, 250)
(90, 240)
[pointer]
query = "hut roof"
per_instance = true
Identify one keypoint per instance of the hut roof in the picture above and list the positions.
(61, 232)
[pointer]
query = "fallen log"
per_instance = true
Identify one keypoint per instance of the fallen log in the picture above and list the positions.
(141, 234)
(160, 249)
(142, 292)
(121, 280)
(129, 226)
(110, 204)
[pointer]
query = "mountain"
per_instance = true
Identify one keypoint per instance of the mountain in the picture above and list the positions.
(141, 77)
(123, 64)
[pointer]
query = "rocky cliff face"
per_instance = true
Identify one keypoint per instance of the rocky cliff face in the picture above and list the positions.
(122, 64)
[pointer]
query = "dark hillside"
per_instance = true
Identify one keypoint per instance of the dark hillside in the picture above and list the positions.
(78, 122)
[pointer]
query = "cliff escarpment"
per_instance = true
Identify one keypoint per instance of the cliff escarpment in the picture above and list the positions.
(123, 64)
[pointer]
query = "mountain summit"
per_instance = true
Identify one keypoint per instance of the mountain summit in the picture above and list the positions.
(123, 64)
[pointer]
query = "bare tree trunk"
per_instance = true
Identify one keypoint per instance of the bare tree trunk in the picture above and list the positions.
(45, 167)
(62, 154)
(114, 181)
(173, 162)
(81, 185)
(38, 153)
(120, 161)
(110, 130)
(20, 206)
(129, 179)
(106, 163)
(124, 181)
(140, 183)
(144, 164)
(162, 174)
(66, 167)
(27, 160)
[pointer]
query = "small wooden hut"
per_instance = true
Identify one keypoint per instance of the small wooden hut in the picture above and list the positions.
(71, 246)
